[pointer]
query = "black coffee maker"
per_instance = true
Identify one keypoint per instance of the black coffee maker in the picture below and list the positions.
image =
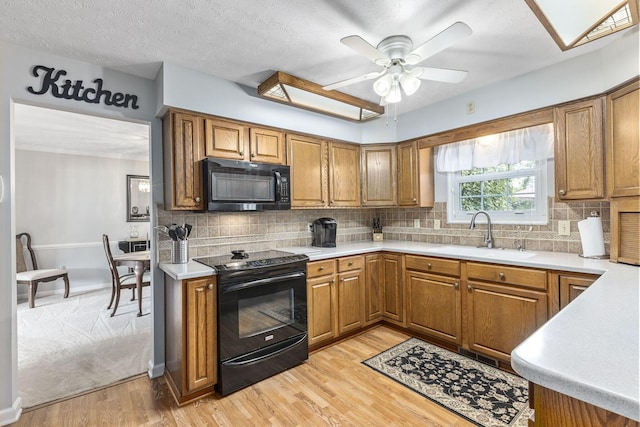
(324, 232)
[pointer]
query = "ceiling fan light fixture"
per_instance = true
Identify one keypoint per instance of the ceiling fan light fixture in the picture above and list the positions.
(409, 83)
(382, 86)
(394, 94)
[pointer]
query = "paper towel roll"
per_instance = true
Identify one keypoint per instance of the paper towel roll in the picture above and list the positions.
(591, 236)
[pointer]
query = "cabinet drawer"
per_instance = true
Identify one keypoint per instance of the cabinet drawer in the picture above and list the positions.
(321, 268)
(512, 275)
(433, 265)
(349, 263)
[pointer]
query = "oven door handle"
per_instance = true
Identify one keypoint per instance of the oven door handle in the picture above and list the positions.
(260, 356)
(260, 282)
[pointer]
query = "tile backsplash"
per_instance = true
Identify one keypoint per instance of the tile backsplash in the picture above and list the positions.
(215, 233)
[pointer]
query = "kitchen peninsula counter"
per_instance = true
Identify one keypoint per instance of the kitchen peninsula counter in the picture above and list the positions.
(589, 350)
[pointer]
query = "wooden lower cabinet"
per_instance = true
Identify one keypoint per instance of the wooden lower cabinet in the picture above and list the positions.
(393, 306)
(350, 301)
(434, 306)
(374, 275)
(499, 317)
(321, 309)
(571, 286)
(191, 337)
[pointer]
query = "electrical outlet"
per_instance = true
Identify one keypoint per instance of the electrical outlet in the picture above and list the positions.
(564, 228)
(471, 107)
(436, 224)
(416, 223)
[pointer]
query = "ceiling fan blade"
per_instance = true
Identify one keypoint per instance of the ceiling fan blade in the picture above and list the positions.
(358, 44)
(438, 43)
(353, 80)
(440, 74)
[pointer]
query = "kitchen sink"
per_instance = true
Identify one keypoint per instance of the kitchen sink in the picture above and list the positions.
(494, 253)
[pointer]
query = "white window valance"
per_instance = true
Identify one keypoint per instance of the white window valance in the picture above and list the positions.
(532, 143)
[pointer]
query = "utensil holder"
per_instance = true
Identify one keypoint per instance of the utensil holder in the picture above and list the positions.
(377, 237)
(179, 252)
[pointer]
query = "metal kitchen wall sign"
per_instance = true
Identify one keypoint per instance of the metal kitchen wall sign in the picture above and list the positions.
(75, 90)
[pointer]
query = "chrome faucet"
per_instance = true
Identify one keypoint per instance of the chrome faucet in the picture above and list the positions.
(488, 240)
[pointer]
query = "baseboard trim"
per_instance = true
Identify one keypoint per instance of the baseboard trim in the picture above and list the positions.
(155, 371)
(11, 415)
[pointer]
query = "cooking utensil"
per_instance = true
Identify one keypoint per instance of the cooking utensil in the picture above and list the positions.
(188, 227)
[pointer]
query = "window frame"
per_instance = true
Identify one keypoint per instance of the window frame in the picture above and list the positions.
(455, 215)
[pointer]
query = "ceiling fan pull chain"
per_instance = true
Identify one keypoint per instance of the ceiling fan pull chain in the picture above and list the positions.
(395, 112)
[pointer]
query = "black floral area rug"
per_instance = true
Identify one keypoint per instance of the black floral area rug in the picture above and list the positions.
(486, 396)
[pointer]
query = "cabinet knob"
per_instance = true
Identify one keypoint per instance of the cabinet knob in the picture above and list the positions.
(350, 263)
(469, 288)
(323, 201)
(562, 192)
(501, 276)
(456, 285)
(241, 153)
(429, 266)
(253, 154)
(197, 199)
(332, 281)
(210, 286)
(332, 202)
(415, 200)
(321, 268)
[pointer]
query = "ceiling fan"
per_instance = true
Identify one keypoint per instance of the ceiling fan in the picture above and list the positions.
(395, 54)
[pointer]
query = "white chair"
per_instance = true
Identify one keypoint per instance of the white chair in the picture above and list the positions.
(32, 277)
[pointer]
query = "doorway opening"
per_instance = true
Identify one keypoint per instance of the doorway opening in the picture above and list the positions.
(71, 187)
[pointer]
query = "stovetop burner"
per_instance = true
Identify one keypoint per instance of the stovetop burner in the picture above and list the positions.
(241, 260)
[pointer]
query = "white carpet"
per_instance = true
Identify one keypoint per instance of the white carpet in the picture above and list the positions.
(68, 346)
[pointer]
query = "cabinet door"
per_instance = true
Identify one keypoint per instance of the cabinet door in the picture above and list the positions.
(623, 141)
(201, 341)
(344, 169)
(374, 276)
(267, 146)
(321, 303)
(579, 151)
(408, 174)
(501, 317)
(183, 153)
(350, 301)
(307, 159)
(434, 306)
(379, 172)
(571, 287)
(392, 289)
(225, 140)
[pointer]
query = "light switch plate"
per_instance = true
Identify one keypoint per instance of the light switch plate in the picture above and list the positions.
(416, 223)
(436, 224)
(564, 228)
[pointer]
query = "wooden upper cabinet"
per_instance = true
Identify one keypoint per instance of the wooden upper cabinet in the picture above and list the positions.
(344, 175)
(183, 150)
(379, 174)
(307, 159)
(267, 146)
(579, 151)
(225, 140)
(408, 174)
(623, 141)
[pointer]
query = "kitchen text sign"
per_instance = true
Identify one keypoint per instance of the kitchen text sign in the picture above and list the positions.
(68, 89)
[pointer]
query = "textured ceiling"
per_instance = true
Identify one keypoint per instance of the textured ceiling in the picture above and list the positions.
(245, 41)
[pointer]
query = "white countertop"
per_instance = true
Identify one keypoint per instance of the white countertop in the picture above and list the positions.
(589, 351)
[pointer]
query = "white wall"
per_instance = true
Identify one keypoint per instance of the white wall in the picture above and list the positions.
(66, 202)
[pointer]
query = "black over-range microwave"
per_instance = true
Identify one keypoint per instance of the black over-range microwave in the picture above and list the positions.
(234, 185)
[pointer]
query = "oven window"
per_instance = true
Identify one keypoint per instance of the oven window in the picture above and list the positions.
(265, 313)
(228, 186)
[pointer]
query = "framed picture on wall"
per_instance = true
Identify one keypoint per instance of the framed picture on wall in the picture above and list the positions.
(138, 198)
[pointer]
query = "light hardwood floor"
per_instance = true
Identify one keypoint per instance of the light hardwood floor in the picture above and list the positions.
(333, 388)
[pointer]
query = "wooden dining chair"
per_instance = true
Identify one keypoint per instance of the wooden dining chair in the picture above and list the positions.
(32, 277)
(120, 281)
